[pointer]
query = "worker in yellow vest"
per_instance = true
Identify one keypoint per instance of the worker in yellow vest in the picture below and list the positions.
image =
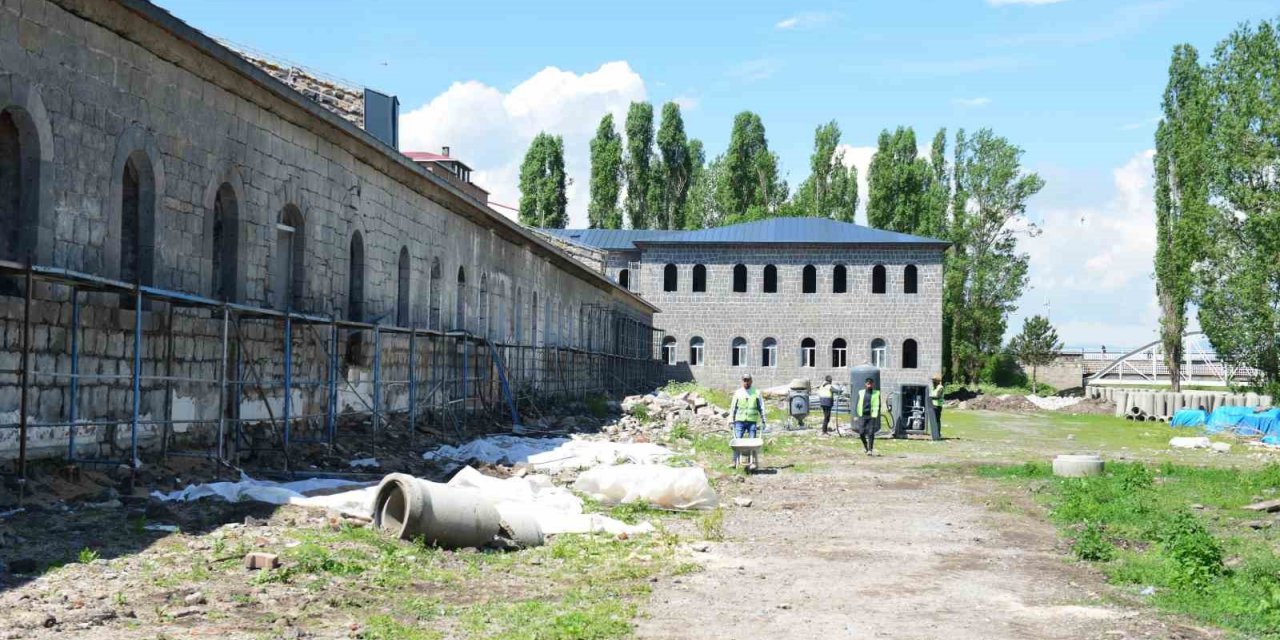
(826, 399)
(936, 394)
(866, 408)
(746, 412)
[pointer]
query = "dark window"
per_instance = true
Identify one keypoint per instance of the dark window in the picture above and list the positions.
(460, 303)
(909, 354)
(670, 278)
(739, 354)
(809, 279)
(518, 327)
(137, 213)
(226, 216)
(433, 304)
(355, 279)
(533, 320)
(839, 353)
(740, 278)
(877, 279)
(624, 279)
(808, 353)
(482, 305)
(695, 351)
(19, 192)
(770, 279)
(769, 353)
(402, 288)
(909, 284)
(669, 350)
(289, 273)
(699, 278)
(839, 279)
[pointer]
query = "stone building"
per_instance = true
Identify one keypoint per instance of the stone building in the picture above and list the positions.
(784, 298)
(137, 152)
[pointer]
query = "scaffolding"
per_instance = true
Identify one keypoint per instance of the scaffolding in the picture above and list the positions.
(280, 380)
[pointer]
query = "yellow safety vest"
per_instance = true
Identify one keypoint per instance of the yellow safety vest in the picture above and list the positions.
(746, 405)
(824, 391)
(937, 396)
(862, 398)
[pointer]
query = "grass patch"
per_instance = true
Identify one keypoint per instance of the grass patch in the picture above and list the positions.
(1137, 524)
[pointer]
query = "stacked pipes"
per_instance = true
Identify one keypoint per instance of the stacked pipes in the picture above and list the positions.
(1150, 405)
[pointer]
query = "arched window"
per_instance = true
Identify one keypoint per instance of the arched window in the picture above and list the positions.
(137, 217)
(809, 279)
(839, 353)
(517, 332)
(669, 350)
(879, 353)
(770, 279)
(289, 273)
(460, 302)
(696, 352)
(808, 353)
(740, 278)
(839, 279)
(739, 354)
(402, 288)
(909, 354)
(19, 186)
(482, 305)
(355, 278)
(437, 285)
(226, 224)
(699, 278)
(624, 279)
(877, 279)
(769, 353)
(909, 276)
(670, 278)
(533, 320)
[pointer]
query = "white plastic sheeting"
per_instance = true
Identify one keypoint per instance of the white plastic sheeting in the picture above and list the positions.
(1190, 443)
(257, 490)
(659, 485)
(556, 509)
(551, 455)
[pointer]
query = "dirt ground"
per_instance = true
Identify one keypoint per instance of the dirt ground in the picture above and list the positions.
(879, 548)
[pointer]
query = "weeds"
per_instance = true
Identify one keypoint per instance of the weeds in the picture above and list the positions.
(1092, 545)
(711, 525)
(87, 555)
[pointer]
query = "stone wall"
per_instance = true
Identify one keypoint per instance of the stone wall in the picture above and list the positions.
(719, 315)
(148, 140)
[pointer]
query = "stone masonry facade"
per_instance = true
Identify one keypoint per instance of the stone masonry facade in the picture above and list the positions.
(147, 152)
(788, 316)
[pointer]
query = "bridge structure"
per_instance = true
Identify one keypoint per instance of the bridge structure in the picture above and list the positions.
(1201, 365)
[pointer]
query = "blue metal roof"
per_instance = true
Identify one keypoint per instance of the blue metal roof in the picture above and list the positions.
(769, 231)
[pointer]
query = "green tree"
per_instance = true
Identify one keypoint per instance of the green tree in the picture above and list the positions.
(542, 183)
(606, 177)
(675, 171)
(1036, 346)
(991, 273)
(939, 188)
(1239, 301)
(703, 206)
(831, 190)
(953, 276)
(1181, 196)
(639, 168)
(749, 188)
(899, 186)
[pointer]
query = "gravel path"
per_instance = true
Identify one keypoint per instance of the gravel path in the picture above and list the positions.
(871, 548)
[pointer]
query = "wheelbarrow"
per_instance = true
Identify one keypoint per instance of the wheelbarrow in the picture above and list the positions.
(748, 449)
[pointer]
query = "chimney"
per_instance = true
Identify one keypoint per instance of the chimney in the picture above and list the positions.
(444, 151)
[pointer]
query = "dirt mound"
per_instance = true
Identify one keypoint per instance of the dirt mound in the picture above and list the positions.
(1091, 406)
(1010, 403)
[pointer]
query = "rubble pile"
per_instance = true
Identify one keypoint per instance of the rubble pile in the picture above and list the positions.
(655, 415)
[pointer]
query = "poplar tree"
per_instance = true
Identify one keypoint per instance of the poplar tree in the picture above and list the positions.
(639, 169)
(1181, 198)
(831, 190)
(750, 188)
(606, 177)
(542, 183)
(675, 170)
(899, 185)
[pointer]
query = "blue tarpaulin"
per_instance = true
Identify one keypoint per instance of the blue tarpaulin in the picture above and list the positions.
(1243, 421)
(1189, 418)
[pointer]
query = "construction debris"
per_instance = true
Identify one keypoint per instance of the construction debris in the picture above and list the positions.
(656, 415)
(1268, 506)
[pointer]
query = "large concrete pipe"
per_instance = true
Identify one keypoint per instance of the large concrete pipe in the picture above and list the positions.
(1077, 465)
(1251, 400)
(449, 517)
(1121, 407)
(1264, 401)
(1148, 404)
(1161, 407)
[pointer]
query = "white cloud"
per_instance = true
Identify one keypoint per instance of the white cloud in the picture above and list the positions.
(1005, 3)
(1141, 124)
(687, 103)
(755, 70)
(491, 130)
(859, 157)
(805, 20)
(1093, 262)
(971, 103)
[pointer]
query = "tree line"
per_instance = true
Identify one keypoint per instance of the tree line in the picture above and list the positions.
(1217, 197)
(977, 201)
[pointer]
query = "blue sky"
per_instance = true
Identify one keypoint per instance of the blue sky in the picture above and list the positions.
(1076, 83)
